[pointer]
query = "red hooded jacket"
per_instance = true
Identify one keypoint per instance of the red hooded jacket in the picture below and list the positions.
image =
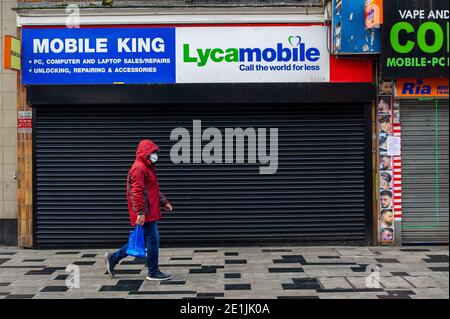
(143, 192)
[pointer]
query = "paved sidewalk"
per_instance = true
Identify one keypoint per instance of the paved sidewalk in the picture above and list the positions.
(235, 272)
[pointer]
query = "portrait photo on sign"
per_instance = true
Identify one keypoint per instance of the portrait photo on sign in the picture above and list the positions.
(387, 234)
(385, 180)
(384, 104)
(386, 198)
(387, 218)
(385, 124)
(382, 142)
(385, 163)
(386, 87)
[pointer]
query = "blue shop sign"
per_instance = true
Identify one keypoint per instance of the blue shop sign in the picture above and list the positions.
(349, 32)
(98, 55)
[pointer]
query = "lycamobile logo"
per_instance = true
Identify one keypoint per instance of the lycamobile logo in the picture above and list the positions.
(294, 51)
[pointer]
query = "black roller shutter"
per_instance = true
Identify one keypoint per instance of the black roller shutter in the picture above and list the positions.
(82, 155)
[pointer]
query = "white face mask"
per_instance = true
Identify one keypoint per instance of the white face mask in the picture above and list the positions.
(153, 158)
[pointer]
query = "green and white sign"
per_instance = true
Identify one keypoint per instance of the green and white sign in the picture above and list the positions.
(252, 54)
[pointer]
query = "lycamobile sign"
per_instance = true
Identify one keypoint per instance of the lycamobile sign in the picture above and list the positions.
(258, 54)
(415, 38)
(175, 55)
(280, 53)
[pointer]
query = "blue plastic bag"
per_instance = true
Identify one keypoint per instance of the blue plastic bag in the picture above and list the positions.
(136, 243)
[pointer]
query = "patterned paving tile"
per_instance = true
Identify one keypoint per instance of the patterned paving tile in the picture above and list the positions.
(164, 292)
(123, 285)
(397, 294)
(387, 260)
(232, 275)
(396, 283)
(55, 289)
(44, 271)
(133, 262)
(362, 268)
(238, 287)
(235, 261)
(306, 283)
(21, 267)
(4, 260)
(294, 259)
(19, 296)
(89, 256)
(298, 297)
(423, 282)
(399, 273)
(203, 270)
(443, 269)
(284, 270)
(278, 272)
(231, 253)
(437, 259)
(126, 272)
(210, 294)
(84, 263)
(173, 282)
(180, 265)
(350, 290)
(205, 251)
(290, 259)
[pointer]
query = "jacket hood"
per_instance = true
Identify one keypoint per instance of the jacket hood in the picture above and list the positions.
(145, 148)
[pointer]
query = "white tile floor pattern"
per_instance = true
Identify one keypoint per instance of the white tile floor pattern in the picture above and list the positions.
(234, 272)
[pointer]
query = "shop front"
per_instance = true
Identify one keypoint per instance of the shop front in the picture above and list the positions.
(424, 159)
(264, 136)
(413, 121)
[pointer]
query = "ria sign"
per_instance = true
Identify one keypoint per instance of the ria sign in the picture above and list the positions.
(416, 40)
(422, 88)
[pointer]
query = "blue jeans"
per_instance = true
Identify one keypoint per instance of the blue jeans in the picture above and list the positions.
(151, 237)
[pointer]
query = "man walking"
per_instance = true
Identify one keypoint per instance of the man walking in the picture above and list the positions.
(144, 204)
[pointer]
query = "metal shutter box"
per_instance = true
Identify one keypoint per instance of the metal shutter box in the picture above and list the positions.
(424, 171)
(82, 156)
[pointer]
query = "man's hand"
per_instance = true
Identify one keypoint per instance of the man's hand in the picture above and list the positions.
(168, 208)
(140, 220)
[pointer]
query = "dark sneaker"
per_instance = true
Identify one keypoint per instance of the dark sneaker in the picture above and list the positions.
(158, 275)
(109, 265)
